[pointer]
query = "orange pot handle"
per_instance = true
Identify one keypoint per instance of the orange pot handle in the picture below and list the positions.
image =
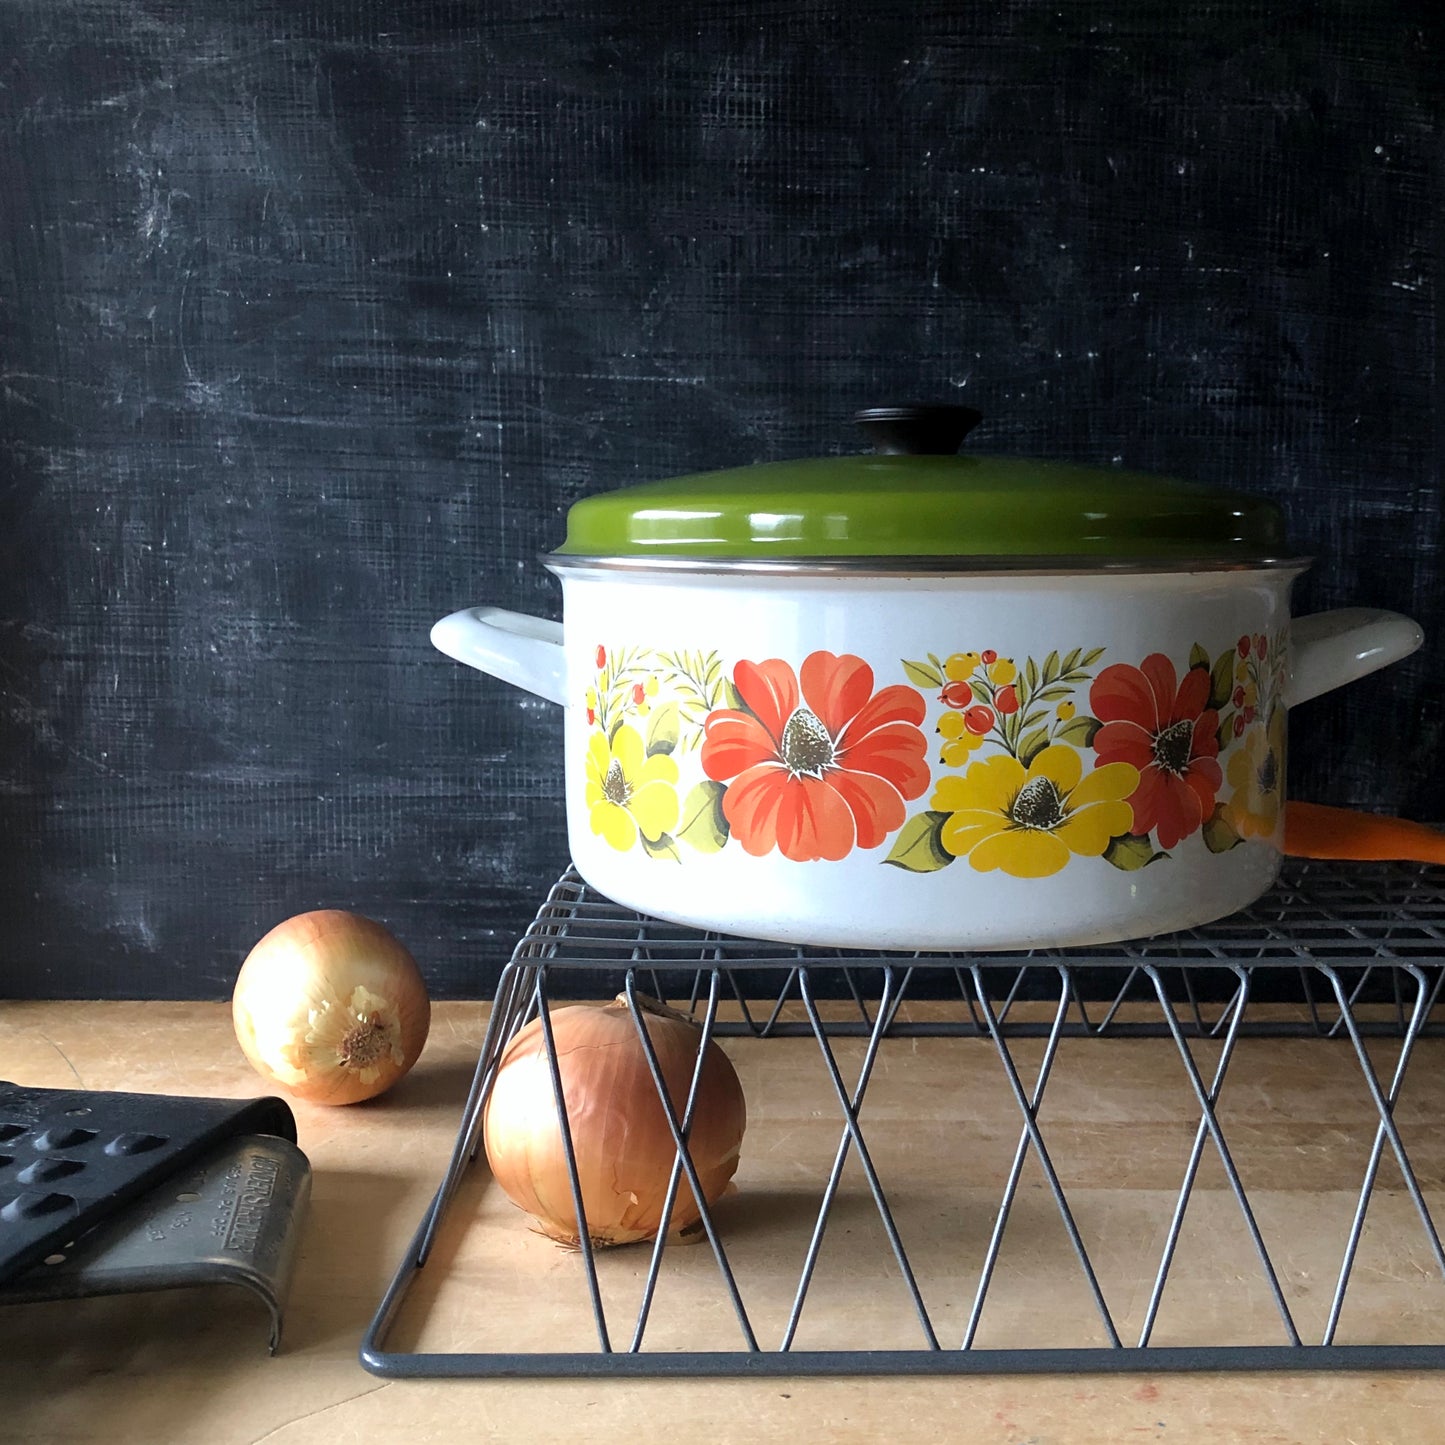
(1313, 830)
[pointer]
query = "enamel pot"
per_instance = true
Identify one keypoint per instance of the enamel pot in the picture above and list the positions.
(919, 700)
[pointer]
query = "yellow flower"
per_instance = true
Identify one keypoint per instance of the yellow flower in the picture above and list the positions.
(592, 698)
(1064, 711)
(1256, 773)
(1002, 672)
(628, 792)
(1030, 822)
(959, 667)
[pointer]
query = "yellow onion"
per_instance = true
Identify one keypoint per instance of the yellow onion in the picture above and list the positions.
(620, 1135)
(331, 1006)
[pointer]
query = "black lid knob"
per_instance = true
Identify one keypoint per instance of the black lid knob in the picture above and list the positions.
(918, 430)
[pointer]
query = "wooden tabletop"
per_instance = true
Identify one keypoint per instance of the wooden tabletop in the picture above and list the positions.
(192, 1364)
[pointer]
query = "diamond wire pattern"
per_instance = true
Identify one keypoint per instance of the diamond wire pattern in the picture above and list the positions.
(1343, 935)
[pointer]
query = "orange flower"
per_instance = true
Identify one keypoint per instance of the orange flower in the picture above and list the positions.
(818, 770)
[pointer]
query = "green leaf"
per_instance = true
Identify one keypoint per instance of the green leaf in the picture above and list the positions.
(698, 678)
(980, 692)
(1221, 680)
(919, 845)
(1051, 667)
(664, 847)
(732, 698)
(1031, 674)
(664, 729)
(1032, 745)
(703, 825)
(1054, 694)
(1092, 656)
(1081, 731)
(1034, 715)
(1131, 851)
(932, 657)
(1070, 662)
(1219, 835)
(922, 674)
(1224, 733)
(1198, 657)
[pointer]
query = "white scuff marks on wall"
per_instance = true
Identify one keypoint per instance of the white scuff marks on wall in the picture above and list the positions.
(156, 200)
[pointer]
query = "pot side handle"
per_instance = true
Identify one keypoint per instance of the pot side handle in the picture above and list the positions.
(517, 648)
(1330, 649)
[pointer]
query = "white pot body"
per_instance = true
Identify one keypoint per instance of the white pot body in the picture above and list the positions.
(953, 815)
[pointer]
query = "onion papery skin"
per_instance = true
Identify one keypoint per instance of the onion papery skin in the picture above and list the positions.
(313, 986)
(620, 1135)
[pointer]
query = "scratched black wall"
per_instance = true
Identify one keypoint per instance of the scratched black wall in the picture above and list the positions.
(315, 318)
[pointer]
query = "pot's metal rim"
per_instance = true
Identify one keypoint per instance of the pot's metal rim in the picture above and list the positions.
(994, 566)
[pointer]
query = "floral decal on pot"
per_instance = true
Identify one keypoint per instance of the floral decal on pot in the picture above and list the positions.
(816, 763)
(629, 792)
(989, 700)
(1256, 731)
(1124, 765)
(1164, 728)
(1041, 762)
(1025, 804)
(1030, 821)
(648, 708)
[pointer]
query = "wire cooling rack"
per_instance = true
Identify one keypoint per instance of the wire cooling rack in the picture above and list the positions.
(1343, 958)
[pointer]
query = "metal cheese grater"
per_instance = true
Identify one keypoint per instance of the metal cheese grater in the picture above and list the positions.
(109, 1193)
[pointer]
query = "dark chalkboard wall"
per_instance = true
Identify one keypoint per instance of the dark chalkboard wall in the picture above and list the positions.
(314, 319)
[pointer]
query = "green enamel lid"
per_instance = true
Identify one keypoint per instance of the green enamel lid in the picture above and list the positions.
(913, 498)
